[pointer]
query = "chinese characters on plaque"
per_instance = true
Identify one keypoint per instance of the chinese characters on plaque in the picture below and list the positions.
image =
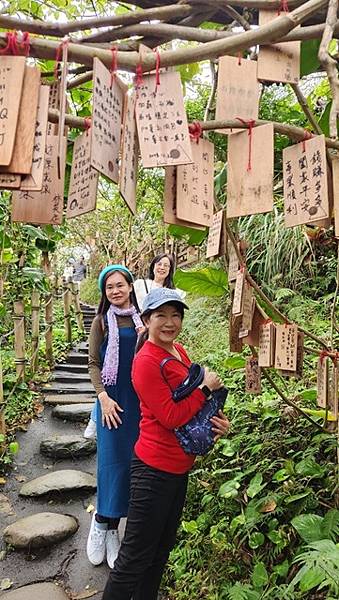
(170, 200)
(82, 194)
(195, 185)
(237, 91)
(253, 375)
(250, 191)
(162, 122)
(247, 310)
(33, 181)
(238, 293)
(129, 155)
(214, 235)
(12, 69)
(286, 340)
(266, 344)
(322, 380)
(108, 103)
(278, 62)
(305, 182)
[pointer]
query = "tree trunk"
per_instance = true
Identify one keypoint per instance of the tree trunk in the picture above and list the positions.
(35, 330)
(19, 339)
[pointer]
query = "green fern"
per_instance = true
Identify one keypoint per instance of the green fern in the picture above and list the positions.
(243, 591)
(320, 567)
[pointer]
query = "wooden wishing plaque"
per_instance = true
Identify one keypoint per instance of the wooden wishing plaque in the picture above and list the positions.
(252, 339)
(82, 194)
(9, 181)
(170, 200)
(237, 90)
(235, 342)
(322, 380)
(286, 340)
(266, 344)
(333, 380)
(298, 373)
(278, 62)
(129, 155)
(250, 191)
(108, 104)
(233, 262)
(195, 185)
(33, 181)
(335, 167)
(247, 310)
(237, 305)
(12, 69)
(21, 161)
(162, 123)
(253, 375)
(45, 206)
(305, 182)
(53, 103)
(214, 235)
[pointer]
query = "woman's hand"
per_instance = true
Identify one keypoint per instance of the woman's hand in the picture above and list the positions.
(221, 425)
(110, 411)
(212, 380)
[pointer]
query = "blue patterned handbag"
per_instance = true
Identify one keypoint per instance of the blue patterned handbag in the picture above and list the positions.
(196, 436)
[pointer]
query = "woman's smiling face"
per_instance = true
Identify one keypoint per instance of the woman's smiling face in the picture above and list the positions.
(118, 290)
(164, 325)
(162, 268)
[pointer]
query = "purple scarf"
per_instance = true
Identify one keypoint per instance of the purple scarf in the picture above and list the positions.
(111, 362)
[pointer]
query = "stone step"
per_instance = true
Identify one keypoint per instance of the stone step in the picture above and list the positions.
(67, 446)
(65, 480)
(37, 591)
(72, 368)
(77, 358)
(73, 412)
(69, 377)
(39, 530)
(68, 388)
(64, 399)
(82, 347)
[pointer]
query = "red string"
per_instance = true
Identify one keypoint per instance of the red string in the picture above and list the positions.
(139, 78)
(267, 321)
(195, 131)
(250, 123)
(239, 58)
(88, 123)
(114, 65)
(157, 68)
(14, 46)
(323, 355)
(308, 135)
(58, 56)
(283, 7)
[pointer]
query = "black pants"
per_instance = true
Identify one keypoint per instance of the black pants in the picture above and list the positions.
(155, 507)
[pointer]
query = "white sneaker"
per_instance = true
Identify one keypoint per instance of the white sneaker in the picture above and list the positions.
(112, 546)
(96, 542)
(91, 430)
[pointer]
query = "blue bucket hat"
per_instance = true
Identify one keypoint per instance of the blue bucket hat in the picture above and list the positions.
(160, 296)
(112, 269)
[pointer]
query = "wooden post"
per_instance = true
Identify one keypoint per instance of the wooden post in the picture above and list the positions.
(35, 330)
(2, 406)
(46, 265)
(75, 289)
(19, 339)
(67, 312)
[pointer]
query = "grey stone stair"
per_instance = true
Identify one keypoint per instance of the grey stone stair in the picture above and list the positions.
(72, 367)
(77, 359)
(55, 399)
(73, 412)
(69, 377)
(56, 387)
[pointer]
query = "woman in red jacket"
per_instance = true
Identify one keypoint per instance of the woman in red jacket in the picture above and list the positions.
(160, 467)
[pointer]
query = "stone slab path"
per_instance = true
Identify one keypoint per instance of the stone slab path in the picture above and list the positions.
(59, 570)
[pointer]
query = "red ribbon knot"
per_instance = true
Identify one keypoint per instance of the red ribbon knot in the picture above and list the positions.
(283, 7)
(307, 136)
(195, 131)
(157, 68)
(58, 56)
(114, 65)
(250, 123)
(16, 43)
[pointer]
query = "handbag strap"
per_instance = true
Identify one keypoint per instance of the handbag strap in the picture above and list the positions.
(146, 288)
(164, 362)
(188, 385)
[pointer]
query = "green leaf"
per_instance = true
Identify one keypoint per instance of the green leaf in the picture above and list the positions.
(229, 489)
(297, 497)
(309, 527)
(324, 121)
(190, 526)
(260, 575)
(193, 236)
(13, 447)
(282, 569)
(309, 468)
(227, 448)
(235, 362)
(33, 232)
(309, 61)
(311, 579)
(203, 282)
(310, 394)
(255, 485)
(256, 539)
(330, 525)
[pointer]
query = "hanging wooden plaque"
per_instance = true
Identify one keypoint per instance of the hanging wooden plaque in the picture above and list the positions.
(214, 235)
(298, 373)
(235, 342)
(233, 262)
(266, 344)
(253, 375)
(237, 90)
(82, 194)
(33, 181)
(195, 185)
(335, 175)
(12, 69)
(107, 112)
(9, 181)
(278, 62)
(129, 155)
(247, 310)
(170, 200)
(305, 182)
(333, 380)
(252, 339)
(21, 161)
(286, 347)
(53, 103)
(162, 122)
(45, 206)
(322, 381)
(250, 190)
(237, 305)
(62, 109)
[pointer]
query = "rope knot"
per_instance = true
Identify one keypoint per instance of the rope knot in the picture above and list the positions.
(16, 43)
(195, 131)
(250, 123)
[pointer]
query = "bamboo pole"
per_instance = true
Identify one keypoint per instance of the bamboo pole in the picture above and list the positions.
(2, 405)
(35, 303)
(75, 289)
(46, 265)
(19, 338)
(67, 312)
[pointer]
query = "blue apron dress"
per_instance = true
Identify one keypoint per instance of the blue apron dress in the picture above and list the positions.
(115, 446)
